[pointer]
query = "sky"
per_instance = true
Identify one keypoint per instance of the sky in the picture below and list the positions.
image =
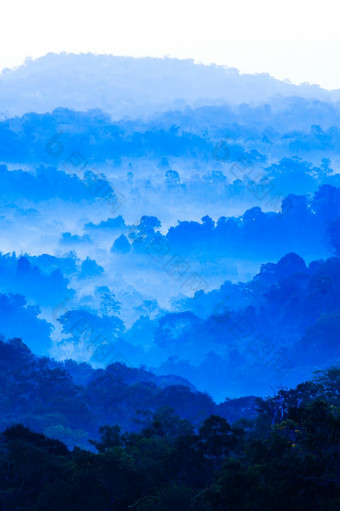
(298, 40)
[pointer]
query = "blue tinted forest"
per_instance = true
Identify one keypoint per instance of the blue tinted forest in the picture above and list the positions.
(169, 290)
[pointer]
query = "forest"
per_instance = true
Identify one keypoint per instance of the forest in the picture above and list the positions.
(286, 457)
(169, 288)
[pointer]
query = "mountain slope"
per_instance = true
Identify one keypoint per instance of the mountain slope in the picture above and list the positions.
(124, 86)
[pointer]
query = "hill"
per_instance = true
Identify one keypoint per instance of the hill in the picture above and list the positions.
(125, 86)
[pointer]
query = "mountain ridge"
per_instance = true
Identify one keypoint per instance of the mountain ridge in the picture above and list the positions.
(132, 87)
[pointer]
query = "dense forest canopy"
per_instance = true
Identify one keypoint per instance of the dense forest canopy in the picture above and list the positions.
(154, 241)
(169, 288)
(286, 457)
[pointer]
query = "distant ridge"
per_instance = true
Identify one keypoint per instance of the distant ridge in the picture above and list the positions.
(125, 86)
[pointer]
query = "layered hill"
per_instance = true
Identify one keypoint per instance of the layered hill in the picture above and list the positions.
(125, 86)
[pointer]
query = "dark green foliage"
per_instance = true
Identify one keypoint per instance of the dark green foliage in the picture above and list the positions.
(288, 459)
(72, 401)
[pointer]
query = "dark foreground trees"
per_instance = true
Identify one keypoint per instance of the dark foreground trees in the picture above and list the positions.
(288, 459)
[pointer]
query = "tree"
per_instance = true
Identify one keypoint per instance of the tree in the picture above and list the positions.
(217, 437)
(334, 235)
(110, 438)
(109, 305)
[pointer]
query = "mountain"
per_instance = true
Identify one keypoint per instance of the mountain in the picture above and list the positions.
(126, 86)
(71, 401)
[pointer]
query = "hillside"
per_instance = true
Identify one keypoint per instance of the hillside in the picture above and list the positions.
(71, 401)
(124, 86)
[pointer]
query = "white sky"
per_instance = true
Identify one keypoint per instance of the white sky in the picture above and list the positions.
(294, 39)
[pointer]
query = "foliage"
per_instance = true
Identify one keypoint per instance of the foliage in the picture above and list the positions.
(291, 462)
